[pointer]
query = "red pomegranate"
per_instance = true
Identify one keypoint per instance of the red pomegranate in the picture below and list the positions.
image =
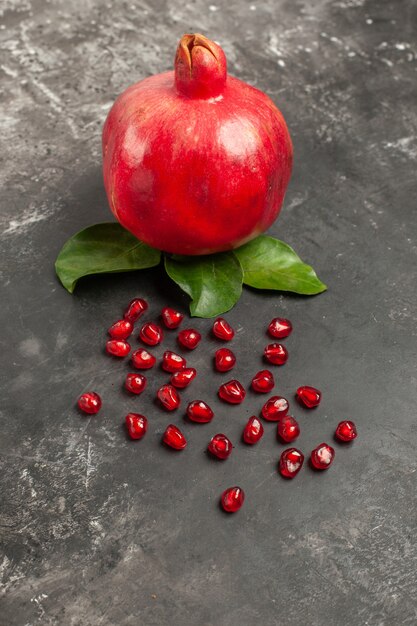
(195, 161)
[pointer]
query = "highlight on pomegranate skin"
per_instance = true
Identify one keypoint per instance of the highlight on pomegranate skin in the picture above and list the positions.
(168, 141)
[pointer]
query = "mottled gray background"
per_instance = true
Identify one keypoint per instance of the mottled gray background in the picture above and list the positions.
(97, 530)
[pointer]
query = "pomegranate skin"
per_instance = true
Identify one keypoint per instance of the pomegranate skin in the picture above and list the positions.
(195, 161)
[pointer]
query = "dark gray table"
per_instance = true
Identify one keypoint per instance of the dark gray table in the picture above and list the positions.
(99, 530)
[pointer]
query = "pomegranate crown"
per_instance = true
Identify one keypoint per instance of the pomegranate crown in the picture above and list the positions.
(200, 67)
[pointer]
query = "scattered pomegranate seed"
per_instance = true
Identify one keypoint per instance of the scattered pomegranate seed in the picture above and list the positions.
(232, 499)
(322, 456)
(280, 328)
(117, 347)
(220, 446)
(89, 402)
(290, 462)
(183, 378)
(199, 411)
(142, 359)
(174, 438)
(253, 430)
(276, 353)
(309, 396)
(135, 383)
(263, 381)
(151, 334)
(172, 362)
(346, 431)
(224, 360)
(168, 397)
(136, 425)
(171, 318)
(275, 408)
(135, 309)
(223, 330)
(189, 338)
(122, 329)
(232, 392)
(288, 429)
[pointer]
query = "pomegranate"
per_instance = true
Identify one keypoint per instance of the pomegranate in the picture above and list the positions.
(195, 161)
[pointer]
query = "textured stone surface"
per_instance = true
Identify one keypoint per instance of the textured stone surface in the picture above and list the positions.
(96, 529)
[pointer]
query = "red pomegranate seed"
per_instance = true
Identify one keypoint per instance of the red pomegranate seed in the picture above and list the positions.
(117, 347)
(135, 309)
(276, 353)
(253, 430)
(172, 362)
(168, 397)
(288, 428)
(232, 392)
(183, 378)
(275, 408)
(174, 438)
(171, 318)
(89, 402)
(223, 330)
(142, 359)
(135, 383)
(220, 446)
(263, 381)
(322, 456)
(189, 338)
(346, 431)
(136, 425)
(232, 499)
(122, 329)
(151, 334)
(224, 360)
(199, 411)
(309, 396)
(280, 328)
(290, 462)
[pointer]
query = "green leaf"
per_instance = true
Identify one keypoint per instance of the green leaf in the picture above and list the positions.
(268, 263)
(214, 282)
(103, 248)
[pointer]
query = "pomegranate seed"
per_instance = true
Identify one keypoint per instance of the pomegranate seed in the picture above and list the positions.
(223, 330)
(263, 381)
(122, 329)
(136, 425)
(172, 362)
(280, 328)
(322, 456)
(220, 446)
(275, 408)
(135, 383)
(253, 430)
(117, 347)
(276, 353)
(171, 318)
(174, 438)
(189, 338)
(168, 397)
(346, 431)
(309, 396)
(232, 392)
(151, 334)
(288, 429)
(290, 462)
(135, 309)
(183, 378)
(89, 402)
(199, 411)
(224, 360)
(142, 359)
(232, 499)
